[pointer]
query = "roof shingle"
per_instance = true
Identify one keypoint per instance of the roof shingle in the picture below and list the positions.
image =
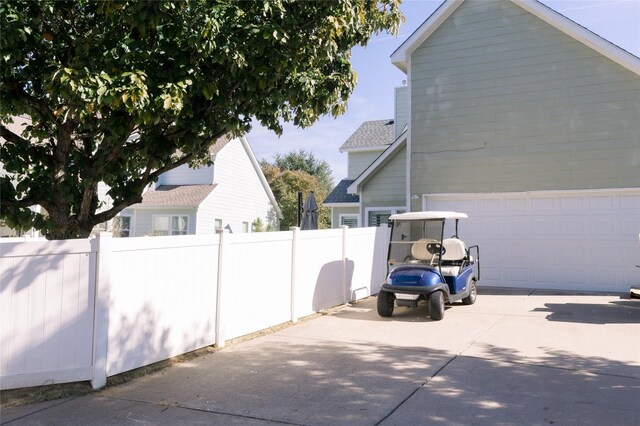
(370, 134)
(339, 194)
(175, 196)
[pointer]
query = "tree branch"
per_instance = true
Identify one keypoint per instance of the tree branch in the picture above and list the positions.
(12, 137)
(27, 202)
(41, 107)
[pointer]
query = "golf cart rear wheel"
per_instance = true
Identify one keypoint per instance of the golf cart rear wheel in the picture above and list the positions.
(473, 293)
(386, 303)
(436, 306)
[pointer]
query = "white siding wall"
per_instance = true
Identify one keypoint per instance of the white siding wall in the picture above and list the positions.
(184, 175)
(142, 219)
(102, 196)
(239, 196)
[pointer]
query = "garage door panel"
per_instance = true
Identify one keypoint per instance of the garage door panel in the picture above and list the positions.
(574, 228)
(542, 204)
(517, 228)
(518, 275)
(583, 240)
(515, 205)
(572, 276)
(545, 227)
(543, 253)
(601, 203)
(572, 203)
(630, 203)
(603, 226)
(545, 276)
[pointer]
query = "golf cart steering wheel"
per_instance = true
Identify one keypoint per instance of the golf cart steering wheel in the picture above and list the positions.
(434, 248)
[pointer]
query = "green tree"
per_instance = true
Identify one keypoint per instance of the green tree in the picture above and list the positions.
(306, 162)
(123, 91)
(286, 184)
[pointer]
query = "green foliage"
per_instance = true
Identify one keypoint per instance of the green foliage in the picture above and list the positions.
(286, 184)
(258, 225)
(123, 91)
(306, 162)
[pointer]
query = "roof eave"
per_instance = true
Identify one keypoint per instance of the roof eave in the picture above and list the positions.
(355, 187)
(400, 56)
(581, 34)
(349, 204)
(365, 148)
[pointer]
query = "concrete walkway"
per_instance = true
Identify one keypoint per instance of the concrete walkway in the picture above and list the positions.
(515, 357)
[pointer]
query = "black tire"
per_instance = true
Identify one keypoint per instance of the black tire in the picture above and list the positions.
(386, 303)
(473, 293)
(436, 305)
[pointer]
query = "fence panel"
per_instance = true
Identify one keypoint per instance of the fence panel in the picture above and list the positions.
(319, 279)
(159, 295)
(256, 291)
(163, 298)
(360, 262)
(47, 291)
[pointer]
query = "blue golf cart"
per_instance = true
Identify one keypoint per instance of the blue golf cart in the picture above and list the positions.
(424, 265)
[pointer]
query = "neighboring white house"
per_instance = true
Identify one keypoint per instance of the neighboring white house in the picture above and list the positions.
(19, 122)
(528, 122)
(231, 194)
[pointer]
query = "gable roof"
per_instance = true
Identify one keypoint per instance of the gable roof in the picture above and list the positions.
(370, 134)
(175, 196)
(340, 196)
(220, 143)
(378, 163)
(401, 55)
(261, 177)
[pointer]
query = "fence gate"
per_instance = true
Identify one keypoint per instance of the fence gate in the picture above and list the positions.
(47, 307)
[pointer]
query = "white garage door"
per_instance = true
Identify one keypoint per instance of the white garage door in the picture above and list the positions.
(582, 240)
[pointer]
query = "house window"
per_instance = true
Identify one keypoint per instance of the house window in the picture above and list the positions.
(179, 225)
(122, 226)
(217, 223)
(381, 217)
(351, 220)
(170, 225)
(245, 227)
(377, 218)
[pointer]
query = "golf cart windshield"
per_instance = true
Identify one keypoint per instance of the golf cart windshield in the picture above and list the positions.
(415, 241)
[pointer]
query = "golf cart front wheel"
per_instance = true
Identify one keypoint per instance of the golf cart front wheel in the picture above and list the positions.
(473, 293)
(436, 306)
(386, 303)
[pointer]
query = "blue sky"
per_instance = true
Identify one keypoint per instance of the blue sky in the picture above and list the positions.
(614, 20)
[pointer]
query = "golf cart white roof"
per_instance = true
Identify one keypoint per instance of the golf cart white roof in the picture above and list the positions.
(430, 215)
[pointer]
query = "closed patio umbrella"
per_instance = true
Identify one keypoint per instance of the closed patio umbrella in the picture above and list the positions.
(309, 213)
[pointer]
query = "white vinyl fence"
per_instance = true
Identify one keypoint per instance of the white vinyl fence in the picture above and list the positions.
(88, 309)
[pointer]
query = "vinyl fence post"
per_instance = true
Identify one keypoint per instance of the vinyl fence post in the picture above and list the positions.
(346, 292)
(220, 329)
(294, 248)
(101, 310)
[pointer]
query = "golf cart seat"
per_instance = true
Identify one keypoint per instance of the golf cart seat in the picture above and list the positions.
(455, 252)
(419, 250)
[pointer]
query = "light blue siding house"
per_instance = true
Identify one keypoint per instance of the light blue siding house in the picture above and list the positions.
(230, 194)
(528, 122)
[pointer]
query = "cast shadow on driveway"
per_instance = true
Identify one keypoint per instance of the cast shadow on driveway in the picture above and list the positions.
(615, 312)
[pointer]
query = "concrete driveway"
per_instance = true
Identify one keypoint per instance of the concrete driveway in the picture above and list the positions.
(515, 357)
